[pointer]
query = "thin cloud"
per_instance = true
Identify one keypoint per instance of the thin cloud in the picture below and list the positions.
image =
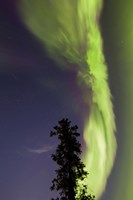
(40, 150)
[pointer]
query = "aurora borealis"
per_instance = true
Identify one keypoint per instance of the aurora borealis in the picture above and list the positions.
(63, 32)
(61, 62)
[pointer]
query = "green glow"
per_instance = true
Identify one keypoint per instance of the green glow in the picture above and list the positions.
(124, 37)
(69, 31)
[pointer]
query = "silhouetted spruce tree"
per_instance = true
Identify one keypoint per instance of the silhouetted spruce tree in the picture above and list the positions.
(71, 168)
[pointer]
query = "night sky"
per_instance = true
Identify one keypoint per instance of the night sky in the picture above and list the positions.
(35, 93)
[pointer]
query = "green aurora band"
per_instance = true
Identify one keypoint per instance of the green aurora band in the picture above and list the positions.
(69, 31)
